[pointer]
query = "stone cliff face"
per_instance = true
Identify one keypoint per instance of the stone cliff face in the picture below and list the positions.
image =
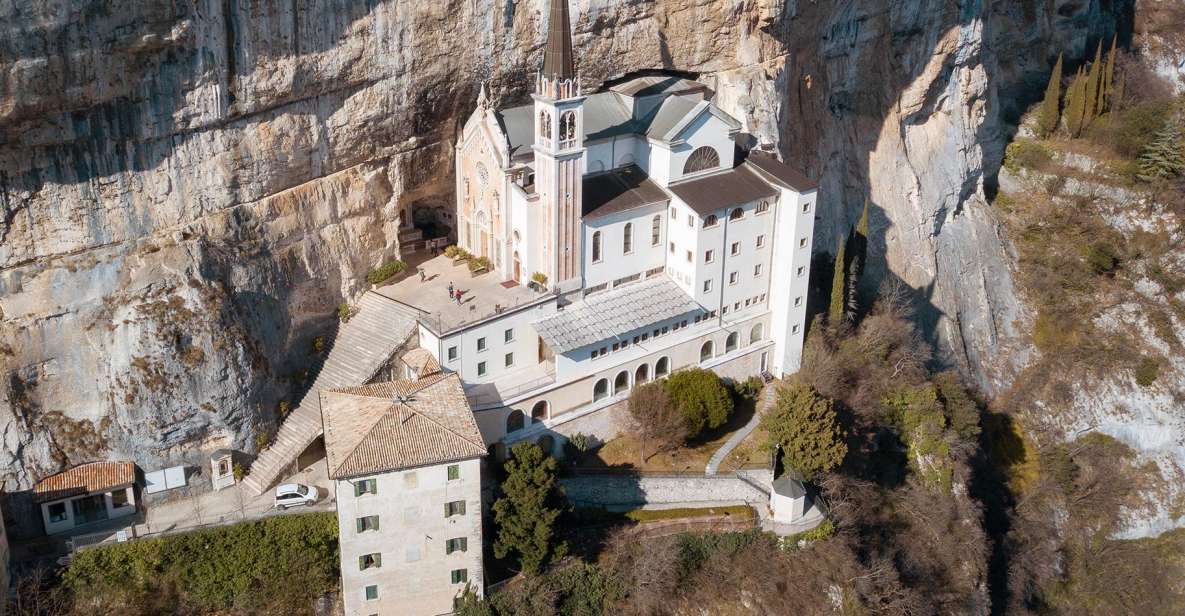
(189, 188)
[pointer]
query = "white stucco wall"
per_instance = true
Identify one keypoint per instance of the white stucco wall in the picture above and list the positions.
(415, 573)
(788, 291)
(615, 263)
(525, 345)
(69, 523)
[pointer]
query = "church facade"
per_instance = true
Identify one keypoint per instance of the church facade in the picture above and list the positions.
(662, 243)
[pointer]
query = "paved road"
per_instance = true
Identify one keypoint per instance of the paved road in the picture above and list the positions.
(767, 401)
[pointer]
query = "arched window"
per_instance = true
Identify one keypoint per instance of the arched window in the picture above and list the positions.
(515, 421)
(763, 207)
(544, 124)
(706, 351)
(730, 343)
(627, 238)
(656, 230)
(601, 389)
(711, 221)
(736, 214)
(662, 367)
(517, 238)
(621, 383)
(756, 334)
(568, 126)
(642, 374)
(539, 411)
(596, 246)
(702, 159)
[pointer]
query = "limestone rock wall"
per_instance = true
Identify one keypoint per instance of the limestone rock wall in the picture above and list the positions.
(188, 189)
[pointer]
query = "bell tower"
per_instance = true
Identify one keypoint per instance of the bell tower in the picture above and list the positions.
(559, 152)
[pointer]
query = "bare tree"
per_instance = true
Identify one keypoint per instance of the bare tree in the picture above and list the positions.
(656, 418)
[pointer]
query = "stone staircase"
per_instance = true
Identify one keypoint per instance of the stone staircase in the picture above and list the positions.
(362, 346)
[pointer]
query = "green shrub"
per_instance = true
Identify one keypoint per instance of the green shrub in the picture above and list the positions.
(1147, 371)
(385, 271)
(451, 251)
(343, 312)
(1130, 130)
(285, 407)
(1026, 154)
(238, 472)
(701, 397)
(749, 388)
(261, 440)
(279, 561)
(1102, 258)
(539, 278)
(823, 531)
(580, 442)
(318, 345)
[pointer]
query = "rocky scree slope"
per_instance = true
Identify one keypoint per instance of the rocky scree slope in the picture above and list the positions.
(189, 188)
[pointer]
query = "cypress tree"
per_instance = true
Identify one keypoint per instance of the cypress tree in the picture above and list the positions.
(1049, 114)
(862, 226)
(1075, 104)
(859, 260)
(839, 285)
(1118, 92)
(1107, 89)
(1092, 87)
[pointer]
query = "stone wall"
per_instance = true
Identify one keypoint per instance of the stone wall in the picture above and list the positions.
(613, 490)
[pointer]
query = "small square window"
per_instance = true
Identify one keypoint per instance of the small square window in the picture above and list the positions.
(683, 323)
(698, 318)
(119, 498)
(673, 213)
(800, 271)
(508, 335)
(367, 523)
(806, 207)
(707, 285)
(672, 247)
(763, 297)
(509, 359)
(370, 561)
(666, 330)
(453, 508)
(756, 270)
(460, 576)
(452, 353)
(736, 306)
(625, 343)
(366, 486)
(410, 481)
(760, 241)
(57, 513)
(709, 255)
(736, 248)
(372, 592)
(645, 337)
(802, 243)
(732, 278)
(797, 301)
(689, 256)
(795, 329)
(481, 368)
(616, 346)
(637, 339)
(748, 302)
(459, 544)
(724, 310)
(690, 221)
(481, 344)
(454, 472)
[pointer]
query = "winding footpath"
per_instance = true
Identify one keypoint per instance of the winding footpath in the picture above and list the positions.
(766, 403)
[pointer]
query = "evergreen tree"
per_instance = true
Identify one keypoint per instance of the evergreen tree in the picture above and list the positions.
(859, 258)
(1050, 111)
(803, 423)
(1107, 90)
(1118, 92)
(527, 511)
(1165, 156)
(1093, 77)
(701, 398)
(862, 226)
(1075, 105)
(839, 285)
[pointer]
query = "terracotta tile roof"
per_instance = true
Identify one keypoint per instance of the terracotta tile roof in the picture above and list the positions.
(384, 427)
(85, 479)
(421, 362)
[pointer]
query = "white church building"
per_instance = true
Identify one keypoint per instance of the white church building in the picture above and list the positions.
(628, 236)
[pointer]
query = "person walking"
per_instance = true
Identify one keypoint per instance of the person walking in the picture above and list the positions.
(450, 290)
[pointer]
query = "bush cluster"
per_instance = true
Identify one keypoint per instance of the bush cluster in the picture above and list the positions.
(254, 566)
(385, 272)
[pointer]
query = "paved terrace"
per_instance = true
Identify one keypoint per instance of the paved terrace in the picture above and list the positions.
(482, 296)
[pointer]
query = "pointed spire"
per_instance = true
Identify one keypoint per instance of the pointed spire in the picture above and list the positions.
(483, 96)
(557, 55)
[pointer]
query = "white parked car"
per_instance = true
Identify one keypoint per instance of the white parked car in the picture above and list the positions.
(295, 495)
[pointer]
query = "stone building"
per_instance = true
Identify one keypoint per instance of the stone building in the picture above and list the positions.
(406, 459)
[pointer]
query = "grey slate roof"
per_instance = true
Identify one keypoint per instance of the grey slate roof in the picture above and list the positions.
(736, 186)
(778, 172)
(618, 191)
(653, 85)
(605, 316)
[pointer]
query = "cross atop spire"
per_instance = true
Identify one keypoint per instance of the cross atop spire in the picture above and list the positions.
(557, 55)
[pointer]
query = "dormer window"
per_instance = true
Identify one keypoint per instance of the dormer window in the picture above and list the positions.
(711, 221)
(763, 207)
(736, 214)
(703, 158)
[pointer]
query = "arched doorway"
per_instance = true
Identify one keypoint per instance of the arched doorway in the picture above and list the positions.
(730, 343)
(621, 383)
(642, 374)
(539, 411)
(662, 367)
(518, 269)
(706, 351)
(515, 421)
(601, 389)
(756, 333)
